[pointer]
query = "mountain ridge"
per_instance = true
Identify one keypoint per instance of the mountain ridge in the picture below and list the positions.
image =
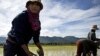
(54, 39)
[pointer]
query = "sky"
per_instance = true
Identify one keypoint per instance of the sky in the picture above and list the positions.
(58, 17)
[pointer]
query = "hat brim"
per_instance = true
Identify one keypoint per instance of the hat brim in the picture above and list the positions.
(97, 28)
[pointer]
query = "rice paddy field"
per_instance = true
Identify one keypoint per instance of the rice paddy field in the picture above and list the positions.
(1, 51)
(64, 50)
(57, 50)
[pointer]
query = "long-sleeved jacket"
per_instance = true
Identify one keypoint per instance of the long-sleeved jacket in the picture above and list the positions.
(92, 35)
(21, 31)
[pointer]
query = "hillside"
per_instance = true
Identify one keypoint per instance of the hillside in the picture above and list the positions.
(2, 40)
(47, 39)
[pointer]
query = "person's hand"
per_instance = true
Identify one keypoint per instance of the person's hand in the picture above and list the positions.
(26, 49)
(40, 52)
(31, 54)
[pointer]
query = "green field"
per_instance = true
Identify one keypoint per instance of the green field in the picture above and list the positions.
(1, 51)
(64, 50)
(55, 50)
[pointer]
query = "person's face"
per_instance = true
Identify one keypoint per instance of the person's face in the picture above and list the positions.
(34, 8)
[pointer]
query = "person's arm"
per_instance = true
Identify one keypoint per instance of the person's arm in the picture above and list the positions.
(26, 49)
(40, 51)
(89, 36)
(37, 43)
(94, 36)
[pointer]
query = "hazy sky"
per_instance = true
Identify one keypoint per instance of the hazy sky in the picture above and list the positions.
(58, 18)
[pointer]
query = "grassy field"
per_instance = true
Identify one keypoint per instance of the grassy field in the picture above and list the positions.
(64, 50)
(1, 51)
(57, 50)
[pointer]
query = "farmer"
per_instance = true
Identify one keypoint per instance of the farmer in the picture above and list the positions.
(25, 26)
(92, 34)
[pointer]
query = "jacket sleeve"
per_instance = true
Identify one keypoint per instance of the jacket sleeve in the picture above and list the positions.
(89, 36)
(36, 35)
(17, 25)
(92, 36)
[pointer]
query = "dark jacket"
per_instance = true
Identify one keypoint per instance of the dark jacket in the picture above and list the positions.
(92, 35)
(21, 31)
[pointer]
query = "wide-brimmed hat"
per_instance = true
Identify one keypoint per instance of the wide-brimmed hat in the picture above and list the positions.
(95, 27)
(34, 2)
